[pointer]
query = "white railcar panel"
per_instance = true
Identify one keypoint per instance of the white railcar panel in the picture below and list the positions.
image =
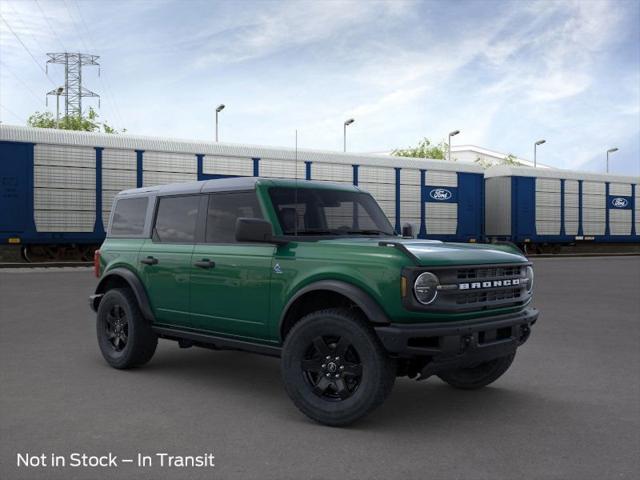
(169, 162)
(593, 228)
(571, 214)
(381, 191)
(409, 210)
(119, 179)
(271, 168)
(214, 165)
(441, 179)
(548, 213)
(162, 178)
(620, 189)
(547, 227)
(116, 159)
(64, 199)
(548, 199)
(547, 185)
(376, 175)
(64, 177)
(333, 172)
(571, 199)
(409, 176)
(571, 228)
(619, 222)
(64, 156)
(441, 218)
(410, 193)
(594, 201)
(571, 186)
(64, 220)
(597, 188)
(637, 212)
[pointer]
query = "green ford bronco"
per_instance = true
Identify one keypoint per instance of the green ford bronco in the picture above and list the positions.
(312, 272)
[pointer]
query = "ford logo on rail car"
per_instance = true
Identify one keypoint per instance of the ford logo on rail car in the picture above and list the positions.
(440, 194)
(619, 202)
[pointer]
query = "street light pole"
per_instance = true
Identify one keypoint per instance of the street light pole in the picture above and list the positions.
(218, 110)
(611, 150)
(58, 93)
(451, 134)
(535, 146)
(344, 133)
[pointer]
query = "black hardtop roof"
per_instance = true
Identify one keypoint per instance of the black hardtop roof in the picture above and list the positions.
(231, 184)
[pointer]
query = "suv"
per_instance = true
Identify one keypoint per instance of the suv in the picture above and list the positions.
(311, 272)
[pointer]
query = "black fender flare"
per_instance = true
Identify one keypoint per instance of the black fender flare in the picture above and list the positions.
(363, 300)
(136, 286)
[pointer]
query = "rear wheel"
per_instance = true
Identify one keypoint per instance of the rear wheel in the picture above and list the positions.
(478, 376)
(124, 336)
(334, 368)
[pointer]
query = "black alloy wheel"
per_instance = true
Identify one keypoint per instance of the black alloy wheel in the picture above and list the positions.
(332, 367)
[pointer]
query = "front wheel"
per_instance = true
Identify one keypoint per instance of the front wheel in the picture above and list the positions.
(478, 376)
(334, 368)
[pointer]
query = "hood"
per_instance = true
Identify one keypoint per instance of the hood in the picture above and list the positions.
(430, 253)
(437, 253)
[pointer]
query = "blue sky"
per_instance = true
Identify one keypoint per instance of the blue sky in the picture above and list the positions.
(504, 73)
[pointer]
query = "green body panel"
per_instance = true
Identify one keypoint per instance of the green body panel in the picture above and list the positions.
(233, 297)
(245, 295)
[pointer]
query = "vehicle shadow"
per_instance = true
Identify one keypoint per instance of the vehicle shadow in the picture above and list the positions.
(412, 404)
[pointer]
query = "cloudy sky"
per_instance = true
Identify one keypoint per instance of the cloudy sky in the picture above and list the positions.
(504, 73)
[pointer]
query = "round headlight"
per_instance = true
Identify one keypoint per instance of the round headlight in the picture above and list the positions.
(426, 288)
(529, 275)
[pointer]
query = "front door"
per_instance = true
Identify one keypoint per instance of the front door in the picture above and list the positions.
(165, 259)
(230, 282)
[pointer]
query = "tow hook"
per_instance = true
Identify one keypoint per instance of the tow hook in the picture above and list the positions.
(466, 341)
(524, 333)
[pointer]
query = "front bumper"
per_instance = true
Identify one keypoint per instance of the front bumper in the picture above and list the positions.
(456, 344)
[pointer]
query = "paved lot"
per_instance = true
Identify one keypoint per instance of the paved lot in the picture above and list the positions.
(569, 408)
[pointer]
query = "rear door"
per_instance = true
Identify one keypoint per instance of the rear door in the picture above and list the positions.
(230, 281)
(14, 188)
(165, 258)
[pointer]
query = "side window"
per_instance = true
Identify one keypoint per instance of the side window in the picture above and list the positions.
(224, 210)
(128, 216)
(176, 219)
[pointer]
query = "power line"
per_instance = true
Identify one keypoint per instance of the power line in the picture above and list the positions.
(32, 92)
(46, 18)
(105, 82)
(12, 113)
(75, 27)
(27, 49)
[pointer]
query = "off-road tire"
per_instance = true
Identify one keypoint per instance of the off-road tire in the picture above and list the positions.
(360, 395)
(141, 341)
(478, 376)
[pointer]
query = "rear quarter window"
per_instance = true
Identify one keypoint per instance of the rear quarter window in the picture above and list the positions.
(128, 216)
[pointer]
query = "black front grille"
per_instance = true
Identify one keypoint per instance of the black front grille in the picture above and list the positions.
(473, 288)
(490, 272)
(488, 297)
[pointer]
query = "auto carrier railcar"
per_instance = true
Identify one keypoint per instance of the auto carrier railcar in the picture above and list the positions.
(58, 186)
(552, 207)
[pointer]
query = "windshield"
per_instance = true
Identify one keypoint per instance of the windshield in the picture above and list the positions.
(317, 211)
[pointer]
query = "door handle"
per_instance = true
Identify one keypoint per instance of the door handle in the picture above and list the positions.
(205, 263)
(149, 260)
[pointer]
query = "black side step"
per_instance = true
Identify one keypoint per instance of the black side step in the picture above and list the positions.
(214, 341)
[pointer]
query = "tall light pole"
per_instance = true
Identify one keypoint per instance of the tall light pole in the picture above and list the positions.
(218, 110)
(535, 147)
(451, 134)
(611, 150)
(344, 134)
(59, 91)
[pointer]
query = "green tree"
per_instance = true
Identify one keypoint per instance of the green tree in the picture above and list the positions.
(88, 123)
(510, 159)
(424, 149)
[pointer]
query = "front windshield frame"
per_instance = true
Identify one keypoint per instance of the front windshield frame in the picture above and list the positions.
(375, 223)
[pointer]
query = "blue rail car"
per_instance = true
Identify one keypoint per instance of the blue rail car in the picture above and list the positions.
(58, 186)
(550, 206)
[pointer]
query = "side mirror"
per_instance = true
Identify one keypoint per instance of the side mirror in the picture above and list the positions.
(255, 230)
(407, 230)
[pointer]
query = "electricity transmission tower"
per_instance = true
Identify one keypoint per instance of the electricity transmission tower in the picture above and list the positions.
(73, 90)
